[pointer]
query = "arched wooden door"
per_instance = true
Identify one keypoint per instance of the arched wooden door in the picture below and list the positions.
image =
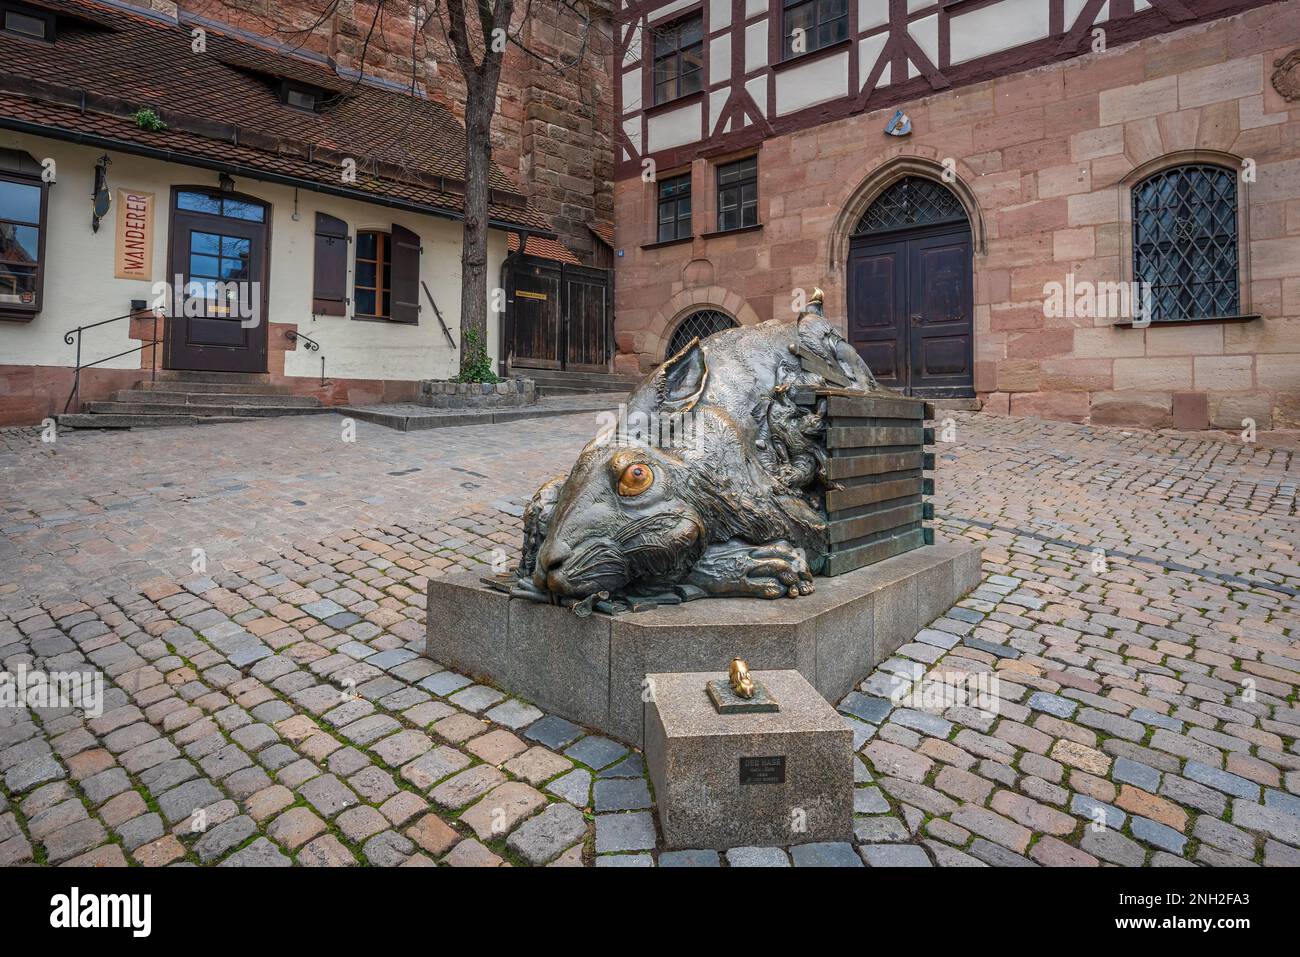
(910, 290)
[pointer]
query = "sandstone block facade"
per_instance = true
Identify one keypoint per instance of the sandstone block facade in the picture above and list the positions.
(1047, 159)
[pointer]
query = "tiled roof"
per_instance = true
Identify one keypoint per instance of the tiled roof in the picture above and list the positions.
(222, 108)
(545, 249)
(604, 231)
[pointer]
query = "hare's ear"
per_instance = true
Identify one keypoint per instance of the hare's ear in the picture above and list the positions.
(682, 379)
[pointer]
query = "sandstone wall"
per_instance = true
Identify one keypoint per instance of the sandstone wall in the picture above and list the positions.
(1044, 154)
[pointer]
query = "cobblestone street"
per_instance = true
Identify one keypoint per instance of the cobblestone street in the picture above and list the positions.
(1140, 609)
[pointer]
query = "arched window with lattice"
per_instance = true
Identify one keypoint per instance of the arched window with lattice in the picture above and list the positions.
(912, 201)
(702, 323)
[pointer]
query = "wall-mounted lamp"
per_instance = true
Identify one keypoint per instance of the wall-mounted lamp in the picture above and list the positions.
(101, 198)
(226, 182)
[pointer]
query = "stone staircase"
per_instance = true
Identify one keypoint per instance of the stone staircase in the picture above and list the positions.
(193, 398)
(553, 382)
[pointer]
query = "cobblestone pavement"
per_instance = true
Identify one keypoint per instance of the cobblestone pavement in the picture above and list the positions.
(1139, 610)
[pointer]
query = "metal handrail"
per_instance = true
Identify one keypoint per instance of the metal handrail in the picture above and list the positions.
(445, 331)
(312, 345)
(73, 336)
(294, 336)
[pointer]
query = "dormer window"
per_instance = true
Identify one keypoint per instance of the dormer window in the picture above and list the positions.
(26, 22)
(300, 97)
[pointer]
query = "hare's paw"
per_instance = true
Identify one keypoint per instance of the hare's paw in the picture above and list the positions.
(785, 563)
(737, 568)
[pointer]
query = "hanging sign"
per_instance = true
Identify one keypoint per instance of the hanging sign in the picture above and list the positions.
(134, 257)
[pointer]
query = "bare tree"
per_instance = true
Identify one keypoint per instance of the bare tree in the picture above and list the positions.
(478, 36)
(481, 80)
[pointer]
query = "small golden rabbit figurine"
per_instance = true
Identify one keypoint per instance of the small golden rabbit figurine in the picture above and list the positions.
(741, 682)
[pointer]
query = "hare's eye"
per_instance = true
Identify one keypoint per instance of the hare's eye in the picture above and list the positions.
(636, 478)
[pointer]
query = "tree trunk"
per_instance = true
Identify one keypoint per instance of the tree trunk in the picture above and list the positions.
(478, 157)
(480, 104)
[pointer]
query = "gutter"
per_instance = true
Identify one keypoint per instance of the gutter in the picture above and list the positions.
(238, 169)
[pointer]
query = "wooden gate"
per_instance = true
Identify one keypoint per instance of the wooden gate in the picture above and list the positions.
(558, 316)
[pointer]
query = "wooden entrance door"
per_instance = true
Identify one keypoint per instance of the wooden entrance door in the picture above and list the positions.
(910, 310)
(911, 304)
(218, 256)
(558, 316)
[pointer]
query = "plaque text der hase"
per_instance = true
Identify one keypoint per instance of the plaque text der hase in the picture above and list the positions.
(765, 770)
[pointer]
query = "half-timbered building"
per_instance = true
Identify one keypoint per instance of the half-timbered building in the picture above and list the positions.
(1077, 209)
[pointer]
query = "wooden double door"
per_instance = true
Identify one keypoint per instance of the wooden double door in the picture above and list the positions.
(911, 309)
(558, 316)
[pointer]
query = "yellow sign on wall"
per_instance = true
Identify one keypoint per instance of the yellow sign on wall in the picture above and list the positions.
(134, 259)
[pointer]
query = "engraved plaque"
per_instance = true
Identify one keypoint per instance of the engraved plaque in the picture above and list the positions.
(767, 770)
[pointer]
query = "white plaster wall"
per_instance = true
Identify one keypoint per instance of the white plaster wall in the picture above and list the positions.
(926, 34)
(868, 53)
(1075, 7)
(719, 14)
(632, 91)
(674, 128)
(717, 100)
(755, 46)
(872, 13)
(80, 287)
(632, 128)
(816, 82)
(720, 59)
(999, 26)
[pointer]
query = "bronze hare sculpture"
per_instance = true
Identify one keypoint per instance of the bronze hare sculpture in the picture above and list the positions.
(715, 489)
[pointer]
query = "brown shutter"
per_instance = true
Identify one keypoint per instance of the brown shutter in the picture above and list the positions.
(330, 285)
(404, 281)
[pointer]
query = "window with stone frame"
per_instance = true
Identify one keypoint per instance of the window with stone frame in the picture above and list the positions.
(678, 58)
(1185, 243)
(674, 208)
(808, 25)
(738, 194)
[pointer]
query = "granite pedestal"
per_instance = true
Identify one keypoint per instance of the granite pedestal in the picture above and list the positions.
(745, 780)
(592, 670)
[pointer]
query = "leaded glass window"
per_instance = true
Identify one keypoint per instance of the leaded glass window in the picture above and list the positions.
(702, 324)
(1185, 242)
(912, 201)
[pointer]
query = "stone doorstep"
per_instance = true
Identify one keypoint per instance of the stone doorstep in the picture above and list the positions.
(592, 670)
(746, 780)
(442, 420)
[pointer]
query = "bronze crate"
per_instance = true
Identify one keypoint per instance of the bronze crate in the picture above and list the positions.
(876, 463)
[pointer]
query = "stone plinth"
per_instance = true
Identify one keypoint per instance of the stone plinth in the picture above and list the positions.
(592, 670)
(736, 780)
(506, 394)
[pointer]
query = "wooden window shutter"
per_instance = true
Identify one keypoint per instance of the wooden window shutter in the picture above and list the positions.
(405, 276)
(330, 282)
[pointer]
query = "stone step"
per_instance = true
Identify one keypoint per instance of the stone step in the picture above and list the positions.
(554, 390)
(153, 397)
(957, 405)
(566, 378)
(225, 388)
(142, 408)
(83, 420)
(188, 375)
